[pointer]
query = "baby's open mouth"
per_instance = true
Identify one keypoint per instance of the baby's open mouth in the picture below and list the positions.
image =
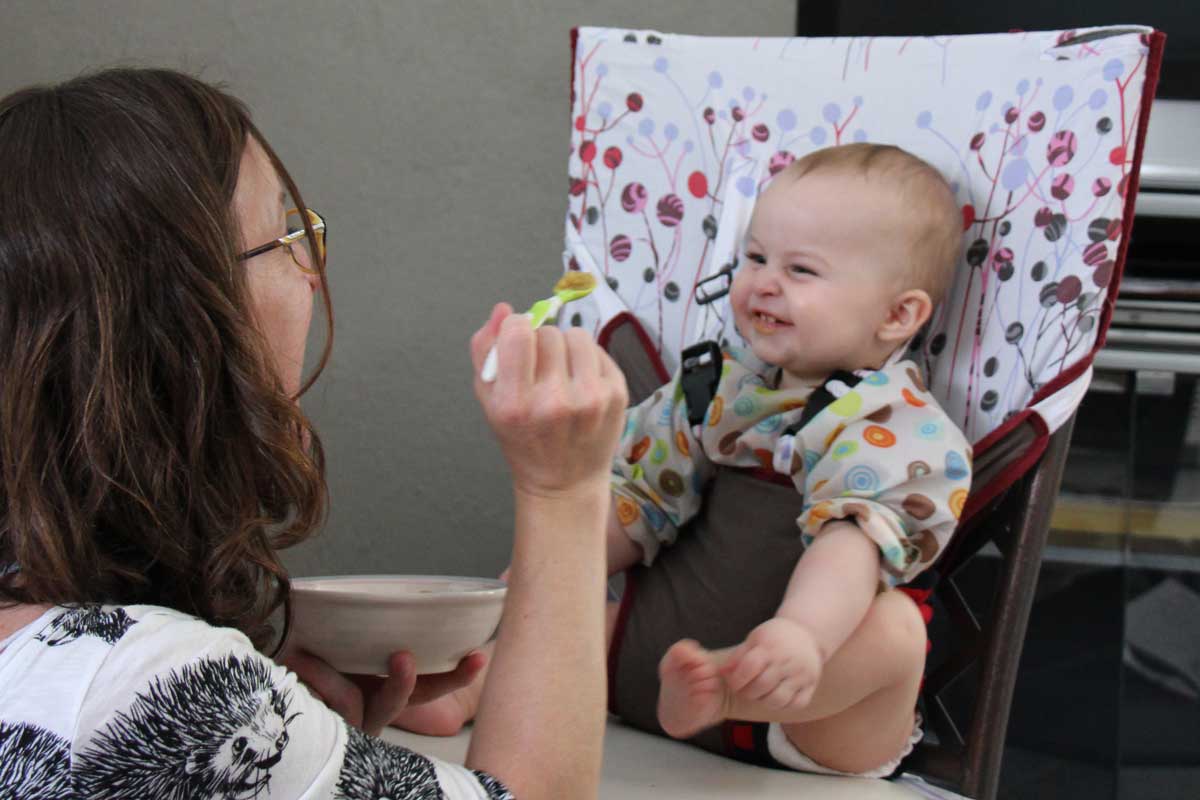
(765, 323)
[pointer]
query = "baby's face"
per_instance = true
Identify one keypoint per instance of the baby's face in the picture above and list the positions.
(821, 267)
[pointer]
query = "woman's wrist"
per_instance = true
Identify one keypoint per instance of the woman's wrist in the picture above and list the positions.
(591, 495)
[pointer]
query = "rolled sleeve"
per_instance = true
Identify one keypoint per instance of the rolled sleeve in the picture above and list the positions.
(660, 471)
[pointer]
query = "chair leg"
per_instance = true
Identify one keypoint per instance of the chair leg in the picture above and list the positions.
(1018, 580)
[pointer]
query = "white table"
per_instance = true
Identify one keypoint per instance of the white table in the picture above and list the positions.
(638, 766)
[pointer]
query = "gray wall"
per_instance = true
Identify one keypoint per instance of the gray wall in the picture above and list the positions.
(434, 137)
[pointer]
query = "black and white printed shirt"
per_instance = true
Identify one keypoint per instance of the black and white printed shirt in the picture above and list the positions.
(143, 701)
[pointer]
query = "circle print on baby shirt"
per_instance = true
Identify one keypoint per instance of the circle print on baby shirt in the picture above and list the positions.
(958, 499)
(627, 511)
(956, 466)
(861, 478)
(879, 436)
(876, 379)
(930, 430)
(714, 411)
(844, 449)
(745, 406)
(918, 469)
(912, 399)
(671, 482)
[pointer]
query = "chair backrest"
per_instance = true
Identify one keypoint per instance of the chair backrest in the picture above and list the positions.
(1040, 135)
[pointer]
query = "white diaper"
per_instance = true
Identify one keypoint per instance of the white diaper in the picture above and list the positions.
(783, 751)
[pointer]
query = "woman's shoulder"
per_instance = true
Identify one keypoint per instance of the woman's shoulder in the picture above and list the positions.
(125, 625)
(155, 699)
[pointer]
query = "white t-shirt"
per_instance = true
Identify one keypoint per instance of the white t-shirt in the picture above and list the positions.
(143, 701)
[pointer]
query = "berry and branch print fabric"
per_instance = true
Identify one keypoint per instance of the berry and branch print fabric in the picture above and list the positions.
(674, 137)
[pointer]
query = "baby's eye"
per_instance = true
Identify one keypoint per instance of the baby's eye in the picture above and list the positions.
(757, 258)
(800, 269)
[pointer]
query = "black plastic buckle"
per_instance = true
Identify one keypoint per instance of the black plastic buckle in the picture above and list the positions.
(706, 294)
(701, 366)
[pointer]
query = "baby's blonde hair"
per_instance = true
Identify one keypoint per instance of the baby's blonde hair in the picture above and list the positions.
(935, 243)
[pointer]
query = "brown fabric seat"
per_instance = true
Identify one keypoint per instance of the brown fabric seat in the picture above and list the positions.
(725, 574)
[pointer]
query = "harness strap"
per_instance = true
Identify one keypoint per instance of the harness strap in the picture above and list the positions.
(701, 372)
(834, 387)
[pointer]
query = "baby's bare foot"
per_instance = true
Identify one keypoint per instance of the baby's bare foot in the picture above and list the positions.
(444, 716)
(692, 695)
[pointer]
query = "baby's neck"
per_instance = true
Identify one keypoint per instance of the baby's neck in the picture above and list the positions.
(792, 380)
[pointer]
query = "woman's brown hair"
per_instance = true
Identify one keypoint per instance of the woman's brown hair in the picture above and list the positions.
(148, 451)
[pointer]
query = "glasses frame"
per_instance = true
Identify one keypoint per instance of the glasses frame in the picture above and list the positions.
(318, 227)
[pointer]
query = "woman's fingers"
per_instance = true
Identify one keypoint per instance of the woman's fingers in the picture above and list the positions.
(583, 359)
(431, 687)
(552, 362)
(332, 687)
(486, 336)
(516, 349)
(391, 696)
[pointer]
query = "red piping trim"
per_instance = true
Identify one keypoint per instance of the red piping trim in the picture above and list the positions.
(571, 75)
(625, 317)
(618, 634)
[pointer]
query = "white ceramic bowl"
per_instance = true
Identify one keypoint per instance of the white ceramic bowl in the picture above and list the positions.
(355, 622)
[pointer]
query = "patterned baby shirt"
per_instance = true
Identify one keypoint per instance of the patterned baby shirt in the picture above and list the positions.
(883, 454)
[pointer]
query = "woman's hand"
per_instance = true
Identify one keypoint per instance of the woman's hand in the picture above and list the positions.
(370, 702)
(557, 405)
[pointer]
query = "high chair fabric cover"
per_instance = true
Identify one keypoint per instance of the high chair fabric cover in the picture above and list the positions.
(1040, 135)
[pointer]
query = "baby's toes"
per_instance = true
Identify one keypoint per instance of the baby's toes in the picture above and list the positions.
(686, 658)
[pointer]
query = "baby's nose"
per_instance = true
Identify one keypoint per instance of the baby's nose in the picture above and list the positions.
(767, 284)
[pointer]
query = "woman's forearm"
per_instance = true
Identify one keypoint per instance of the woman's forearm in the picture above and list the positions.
(540, 723)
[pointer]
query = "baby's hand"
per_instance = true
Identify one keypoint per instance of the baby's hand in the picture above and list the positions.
(779, 665)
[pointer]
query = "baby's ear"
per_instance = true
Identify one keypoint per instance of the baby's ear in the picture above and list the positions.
(907, 313)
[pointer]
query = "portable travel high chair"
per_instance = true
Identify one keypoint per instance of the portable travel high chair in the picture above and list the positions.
(1040, 135)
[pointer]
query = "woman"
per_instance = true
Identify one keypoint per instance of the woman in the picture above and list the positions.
(154, 313)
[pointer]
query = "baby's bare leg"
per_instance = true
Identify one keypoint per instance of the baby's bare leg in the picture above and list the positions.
(860, 713)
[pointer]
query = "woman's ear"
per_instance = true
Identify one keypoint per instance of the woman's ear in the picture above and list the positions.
(907, 313)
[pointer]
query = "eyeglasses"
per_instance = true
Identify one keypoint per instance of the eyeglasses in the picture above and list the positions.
(295, 235)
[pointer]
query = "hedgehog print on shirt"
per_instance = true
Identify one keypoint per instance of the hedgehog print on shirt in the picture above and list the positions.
(376, 770)
(214, 728)
(33, 763)
(86, 621)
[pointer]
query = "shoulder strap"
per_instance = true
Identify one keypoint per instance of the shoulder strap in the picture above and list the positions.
(701, 372)
(699, 375)
(834, 387)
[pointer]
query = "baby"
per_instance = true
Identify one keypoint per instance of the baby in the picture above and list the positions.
(848, 250)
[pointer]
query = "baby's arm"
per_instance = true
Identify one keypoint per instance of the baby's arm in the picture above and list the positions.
(828, 596)
(622, 551)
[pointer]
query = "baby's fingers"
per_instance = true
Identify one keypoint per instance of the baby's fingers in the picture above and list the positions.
(743, 667)
(767, 681)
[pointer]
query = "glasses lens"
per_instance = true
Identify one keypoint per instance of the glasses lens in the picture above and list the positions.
(315, 244)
